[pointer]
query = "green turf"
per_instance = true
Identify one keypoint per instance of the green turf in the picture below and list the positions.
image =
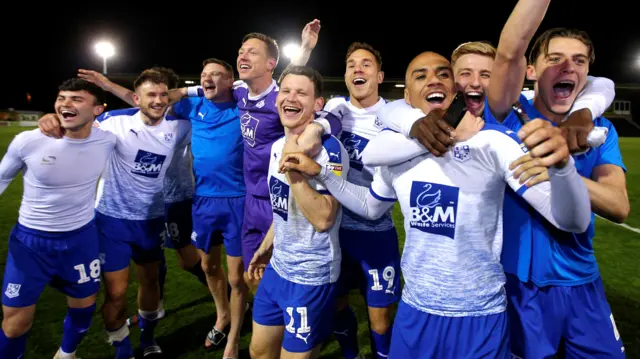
(190, 312)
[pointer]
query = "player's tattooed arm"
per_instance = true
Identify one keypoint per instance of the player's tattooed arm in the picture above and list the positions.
(508, 72)
(262, 256)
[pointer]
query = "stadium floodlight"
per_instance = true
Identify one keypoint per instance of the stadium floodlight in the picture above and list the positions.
(105, 50)
(291, 51)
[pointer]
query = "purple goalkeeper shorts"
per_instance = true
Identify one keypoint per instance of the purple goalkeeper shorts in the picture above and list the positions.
(255, 225)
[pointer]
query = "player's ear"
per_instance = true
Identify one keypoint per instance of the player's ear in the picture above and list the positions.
(319, 104)
(406, 96)
(380, 77)
(531, 73)
(271, 64)
(98, 110)
(136, 99)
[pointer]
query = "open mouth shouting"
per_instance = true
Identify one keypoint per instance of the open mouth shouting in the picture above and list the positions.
(436, 99)
(68, 114)
(563, 89)
(359, 82)
(209, 87)
(474, 100)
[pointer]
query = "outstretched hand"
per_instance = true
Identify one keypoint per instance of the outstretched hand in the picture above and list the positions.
(310, 34)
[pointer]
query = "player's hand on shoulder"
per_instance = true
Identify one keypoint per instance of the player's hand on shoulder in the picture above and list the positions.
(49, 124)
(301, 163)
(434, 133)
(528, 169)
(468, 127)
(545, 143)
(576, 129)
(310, 141)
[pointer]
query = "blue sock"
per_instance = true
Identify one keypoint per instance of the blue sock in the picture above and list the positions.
(197, 272)
(119, 338)
(147, 323)
(124, 350)
(345, 330)
(162, 275)
(75, 327)
(381, 343)
(12, 348)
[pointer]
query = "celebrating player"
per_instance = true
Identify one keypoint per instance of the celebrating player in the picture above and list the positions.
(370, 251)
(453, 303)
(555, 291)
(472, 64)
(295, 300)
(56, 236)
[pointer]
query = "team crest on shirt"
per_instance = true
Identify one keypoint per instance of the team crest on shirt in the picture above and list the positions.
(461, 153)
(13, 290)
(260, 104)
(168, 137)
(354, 145)
(378, 123)
(148, 164)
(279, 192)
(434, 208)
(249, 126)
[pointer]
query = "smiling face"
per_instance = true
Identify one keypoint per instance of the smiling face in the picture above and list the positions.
(257, 57)
(298, 100)
(429, 82)
(560, 73)
(362, 76)
(472, 75)
(216, 81)
(153, 99)
(76, 109)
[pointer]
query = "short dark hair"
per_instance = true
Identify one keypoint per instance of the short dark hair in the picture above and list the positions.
(364, 46)
(272, 44)
(222, 63)
(310, 73)
(78, 84)
(541, 45)
(152, 76)
(173, 80)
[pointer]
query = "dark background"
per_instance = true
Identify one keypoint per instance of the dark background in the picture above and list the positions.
(39, 51)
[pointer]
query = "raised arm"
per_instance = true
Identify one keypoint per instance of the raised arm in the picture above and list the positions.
(123, 93)
(310, 35)
(11, 164)
(507, 75)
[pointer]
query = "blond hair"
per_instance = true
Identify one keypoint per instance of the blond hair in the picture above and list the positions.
(475, 47)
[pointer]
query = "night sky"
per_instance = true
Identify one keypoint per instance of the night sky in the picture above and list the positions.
(39, 51)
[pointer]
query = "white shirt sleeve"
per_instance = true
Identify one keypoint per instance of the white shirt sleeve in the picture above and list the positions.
(368, 203)
(399, 116)
(11, 163)
(390, 148)
(597, 96)
(563, 200)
